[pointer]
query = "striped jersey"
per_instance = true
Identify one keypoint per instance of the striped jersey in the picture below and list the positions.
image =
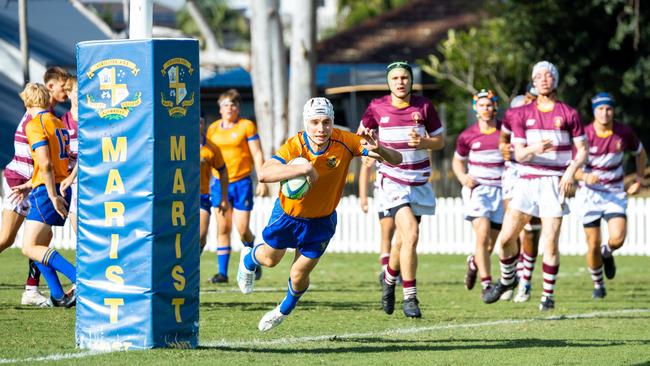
(233, 143)
(73, 130)
(20, 168)
(481, 151)
(506, 129)
(562, 126)
(394, 126)
(606, 155)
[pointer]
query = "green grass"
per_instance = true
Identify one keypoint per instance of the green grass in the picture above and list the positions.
(339, 321)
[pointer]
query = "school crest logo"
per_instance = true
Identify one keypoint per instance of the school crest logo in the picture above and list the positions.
(530, 122)
(331, 162)
(175, 96)
(557, 121)
(416, 117)
(384, 119)
(111, 97)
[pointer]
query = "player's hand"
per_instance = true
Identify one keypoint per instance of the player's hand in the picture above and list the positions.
(634, 188)
(369, 137)
(589, 178)
(67, 182)
(467, 181)
(223, 207)
(262, 189)
(312, 174)
(567, 185)
(414, 138)
(505, 151)
(19, 193)
(543, 146)
(363, 203)
(60, 205)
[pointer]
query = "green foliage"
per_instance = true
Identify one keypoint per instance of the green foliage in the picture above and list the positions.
(353, 12)
(229, 25)
(597, 45)
(481, 57)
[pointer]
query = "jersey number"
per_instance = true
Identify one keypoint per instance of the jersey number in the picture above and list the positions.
(64, 141)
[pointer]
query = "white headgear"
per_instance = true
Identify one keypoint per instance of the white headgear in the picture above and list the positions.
(545, 65)
(317, 107)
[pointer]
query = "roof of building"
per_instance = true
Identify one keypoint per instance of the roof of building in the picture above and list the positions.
(409, 32)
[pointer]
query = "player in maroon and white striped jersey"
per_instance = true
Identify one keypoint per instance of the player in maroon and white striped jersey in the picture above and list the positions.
(409, 124)
(478, 145)
(602, 194)
(17, 184)
(544, 133)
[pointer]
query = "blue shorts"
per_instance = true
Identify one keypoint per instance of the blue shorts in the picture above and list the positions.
(206, 203)
(42, 209)
(240, 194)
(309, 236)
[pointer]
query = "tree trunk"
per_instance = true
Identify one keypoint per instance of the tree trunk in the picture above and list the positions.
(278, 76)
(261, 72)
(302, 85)
(213, 55)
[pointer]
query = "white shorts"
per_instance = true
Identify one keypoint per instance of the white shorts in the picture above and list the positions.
(21, 208)
(73, 198)
(421, 199)
(483, 201)
(539, 197)
(593, 205)
(508, 180)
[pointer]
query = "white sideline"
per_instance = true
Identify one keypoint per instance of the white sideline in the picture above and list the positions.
(394, 331)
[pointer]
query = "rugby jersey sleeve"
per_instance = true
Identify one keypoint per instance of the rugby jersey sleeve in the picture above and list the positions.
(432, 121)
(518, 128)
(576, 128)
(369, 119)
(353, 142)
(35, 134)
(631, 141)
(217, 158)
(251, 131)
(506, 123)
(462, 148)
(289, 151)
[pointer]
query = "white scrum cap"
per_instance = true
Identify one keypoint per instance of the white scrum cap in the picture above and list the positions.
(317, 107)
(545, 65)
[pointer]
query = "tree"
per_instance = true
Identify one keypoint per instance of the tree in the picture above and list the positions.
(353, 12)
(225, 23)
(482, 57)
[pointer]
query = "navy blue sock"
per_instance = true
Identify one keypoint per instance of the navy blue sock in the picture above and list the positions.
(52, 280)
(223, 257)
(53, 259)
(291, 300)
(250, 262)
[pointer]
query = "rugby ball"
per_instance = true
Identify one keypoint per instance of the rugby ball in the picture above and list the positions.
(295, 188)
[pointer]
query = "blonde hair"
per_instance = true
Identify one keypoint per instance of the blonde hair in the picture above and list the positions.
(70, 83)
(35, 95)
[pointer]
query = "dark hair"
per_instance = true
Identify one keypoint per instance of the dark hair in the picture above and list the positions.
(231, 94)
(55, 73)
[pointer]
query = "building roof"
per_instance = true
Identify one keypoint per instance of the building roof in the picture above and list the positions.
(408, 32)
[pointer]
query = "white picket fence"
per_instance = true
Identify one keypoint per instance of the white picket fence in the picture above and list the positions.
(444, 233)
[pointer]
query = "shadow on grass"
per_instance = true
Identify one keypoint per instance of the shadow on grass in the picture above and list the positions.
(256, 306)
(384, 345)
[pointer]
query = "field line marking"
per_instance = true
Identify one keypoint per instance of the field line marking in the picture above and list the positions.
(412, 330)
(320, 338)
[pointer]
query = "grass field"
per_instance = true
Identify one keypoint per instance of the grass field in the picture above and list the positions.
(339, 321)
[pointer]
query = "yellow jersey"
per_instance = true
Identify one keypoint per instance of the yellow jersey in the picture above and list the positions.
(211, 158)
(332, 167)
(47, 130)
(233, 143)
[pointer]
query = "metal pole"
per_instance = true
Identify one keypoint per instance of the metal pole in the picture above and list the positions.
(24, 39)
(141, 19)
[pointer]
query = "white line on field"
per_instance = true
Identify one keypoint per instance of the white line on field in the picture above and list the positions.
(411, 330)
(343, 336)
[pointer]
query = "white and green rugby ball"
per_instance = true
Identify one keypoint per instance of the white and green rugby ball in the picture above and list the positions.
(295, 188)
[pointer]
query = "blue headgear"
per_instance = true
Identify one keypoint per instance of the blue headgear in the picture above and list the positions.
(602, 98)
(485, 93)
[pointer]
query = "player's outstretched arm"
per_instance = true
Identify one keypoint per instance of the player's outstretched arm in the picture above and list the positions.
(274, 171)
(376, 151)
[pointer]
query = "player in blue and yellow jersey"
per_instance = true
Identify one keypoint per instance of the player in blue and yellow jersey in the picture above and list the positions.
(49, 142)
(211, 158)
(306, 224)
(241, 148)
